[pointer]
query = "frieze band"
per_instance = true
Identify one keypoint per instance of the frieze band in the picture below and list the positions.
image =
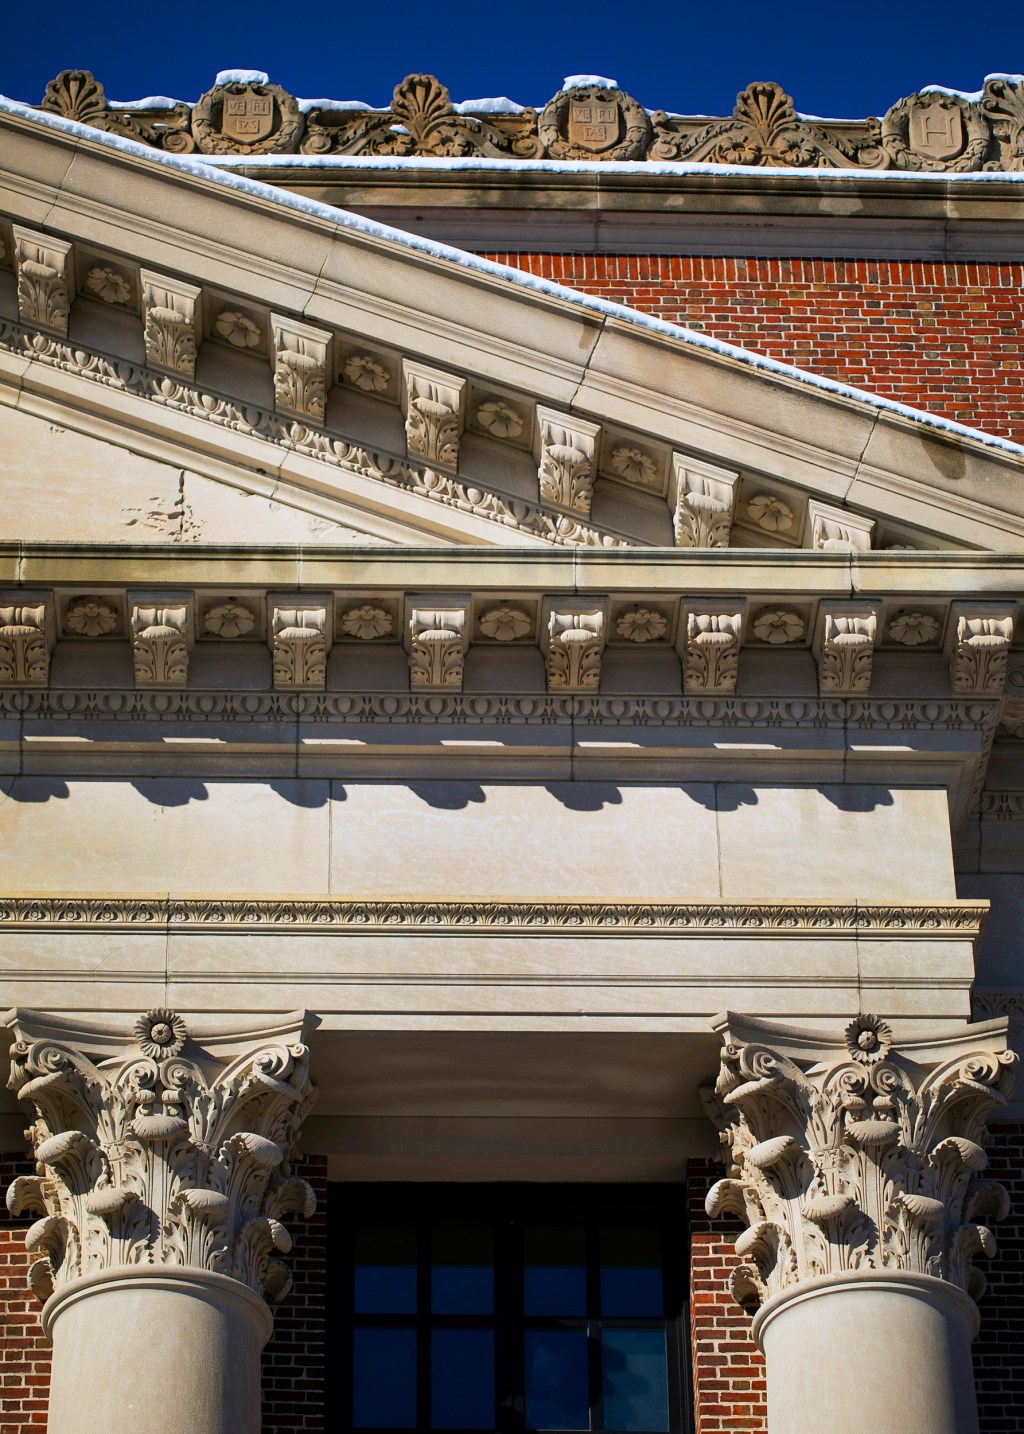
(795, 918)
(932, 131)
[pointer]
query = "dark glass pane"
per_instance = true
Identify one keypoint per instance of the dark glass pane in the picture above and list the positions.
(462, 1379)
(634, 1379)
(385, 1258)
(556, 1379)
(462, 1269)
(384, 1379)
(555, 1277)
(631, 1270)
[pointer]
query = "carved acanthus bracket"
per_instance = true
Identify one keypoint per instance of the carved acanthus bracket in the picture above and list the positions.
(434, 406)
(437, 636)
(45, 279)
(162, 634)
(846, 1154)
(979, 639)
(171, 319)
(302, 367)
(26, 639)
(300, 637)
(576, 636)
(845, 647)
(703, 500)
(711, 658)
(834, 530)
(566, 449)
(154, 1150)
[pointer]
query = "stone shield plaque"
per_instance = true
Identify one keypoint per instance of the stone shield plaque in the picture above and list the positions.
(593, 124)
(248, 116)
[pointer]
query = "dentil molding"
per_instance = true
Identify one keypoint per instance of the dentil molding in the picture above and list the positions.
(854, 1154)
(153, 1149)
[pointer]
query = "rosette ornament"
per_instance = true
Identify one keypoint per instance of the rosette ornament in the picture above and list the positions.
(850, 1153)
(156, 1150)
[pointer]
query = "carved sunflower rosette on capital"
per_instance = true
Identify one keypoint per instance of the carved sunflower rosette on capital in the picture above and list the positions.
(158, 1158)
(860, 1162)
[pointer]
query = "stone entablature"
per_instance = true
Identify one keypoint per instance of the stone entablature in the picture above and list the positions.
(858, 1157)
(933, 130)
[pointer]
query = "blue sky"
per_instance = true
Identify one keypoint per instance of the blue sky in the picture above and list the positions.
(847, 59)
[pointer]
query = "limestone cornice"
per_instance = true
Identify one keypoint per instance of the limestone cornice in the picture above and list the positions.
(284, 914)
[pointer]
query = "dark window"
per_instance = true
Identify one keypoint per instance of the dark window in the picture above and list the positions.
(509, 1308)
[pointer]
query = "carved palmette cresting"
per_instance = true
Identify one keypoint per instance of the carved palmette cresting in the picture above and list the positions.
(24, 645)
(160, 645)
(575, 645)
(862, 1162)
(154, 1159)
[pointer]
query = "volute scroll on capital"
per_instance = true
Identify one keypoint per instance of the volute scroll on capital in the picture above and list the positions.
(157, 1148)
(856, 1154)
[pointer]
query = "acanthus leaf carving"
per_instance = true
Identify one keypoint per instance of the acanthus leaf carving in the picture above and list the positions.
(162, 633)
(714, 635)
(434, 413)
(980, 638)
(845, 648)
(566, 460)
(299, 640)
(26, 638)
(851, 1154)
(302, 367)
(78, 96)
(576, 639)
(152, 1151)
(437, 638)
(171, 319)
(45, 279)
(703, 501)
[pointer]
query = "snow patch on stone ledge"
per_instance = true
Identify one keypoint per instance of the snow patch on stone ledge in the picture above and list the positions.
(342, 220)
(495, 105)
(242, 77)
(577, 82)
(327, 105)
(149, 102)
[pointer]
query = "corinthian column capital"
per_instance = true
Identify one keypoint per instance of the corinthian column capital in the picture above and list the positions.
(851, 1155)
(155, 1148)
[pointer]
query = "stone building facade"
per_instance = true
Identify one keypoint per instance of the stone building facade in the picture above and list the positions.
(511, 703)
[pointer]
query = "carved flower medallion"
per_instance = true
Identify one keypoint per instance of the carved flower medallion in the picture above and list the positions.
(366, 621)
(634, 465)
(108, 285)
(229, 619)
(160, 1033)
(500, 419)
(913, 628)
(868, 1039)
(90, 617)
(777, 626)
(505, 624)
(366, 373)
(770, 513)
(239, 330)
(642, 624)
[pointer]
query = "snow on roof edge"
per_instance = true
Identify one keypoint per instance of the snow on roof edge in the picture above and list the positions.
(344, 219)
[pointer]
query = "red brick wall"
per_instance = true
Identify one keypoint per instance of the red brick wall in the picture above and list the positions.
(728, 1371)
(999, 1348)
(24, 1354)
(946, 337)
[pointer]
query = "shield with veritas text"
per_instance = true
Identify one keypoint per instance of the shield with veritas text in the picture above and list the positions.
(247, 116)
(593, 124)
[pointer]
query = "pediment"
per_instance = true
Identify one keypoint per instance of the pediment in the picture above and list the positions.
(296, 366)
